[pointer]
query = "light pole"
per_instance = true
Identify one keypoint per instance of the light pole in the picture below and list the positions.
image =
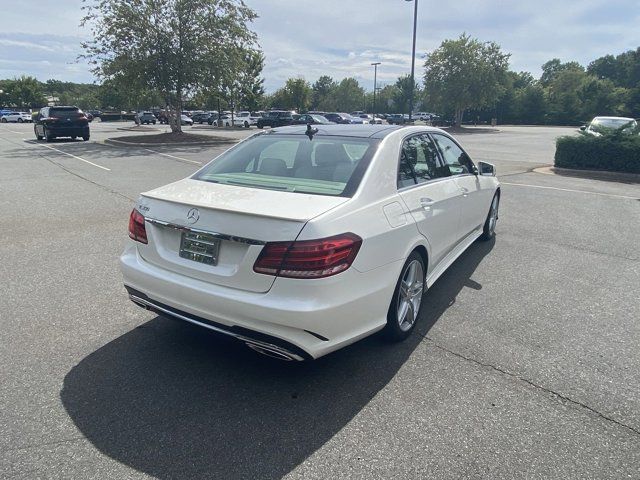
(413, 56)
(375, 79)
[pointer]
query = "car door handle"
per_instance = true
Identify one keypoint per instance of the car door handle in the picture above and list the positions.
(426, 203)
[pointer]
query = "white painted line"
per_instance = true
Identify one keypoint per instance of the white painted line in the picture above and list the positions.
(570, 190)
(12, 131)
(74, 156)
(173, 156)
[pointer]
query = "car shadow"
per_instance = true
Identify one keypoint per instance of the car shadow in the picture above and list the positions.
(174, 401)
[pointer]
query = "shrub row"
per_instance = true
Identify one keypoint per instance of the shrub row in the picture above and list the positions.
(614, 153)
(116, 117)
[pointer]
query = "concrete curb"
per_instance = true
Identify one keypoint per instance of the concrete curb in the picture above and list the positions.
(590, 174)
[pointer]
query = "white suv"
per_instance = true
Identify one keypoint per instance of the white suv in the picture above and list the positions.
(16, 117)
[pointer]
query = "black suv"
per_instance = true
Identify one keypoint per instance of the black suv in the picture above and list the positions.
(276, 118)
(203, 117)
(53, 122)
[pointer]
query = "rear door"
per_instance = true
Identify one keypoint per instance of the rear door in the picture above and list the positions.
(474, 206)
(430, 194)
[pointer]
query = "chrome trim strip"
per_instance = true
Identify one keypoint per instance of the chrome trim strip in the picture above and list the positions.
(265, 345)
(221, 236)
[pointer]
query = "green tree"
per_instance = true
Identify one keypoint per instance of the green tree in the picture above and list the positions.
(23, 92)
(297, 94)
(323, 93)
(554, 67)
(175, 47)
(464, 73)
(349, 95)
(402, 93)
(565, 103)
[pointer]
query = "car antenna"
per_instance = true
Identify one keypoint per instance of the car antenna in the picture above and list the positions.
(310, 131)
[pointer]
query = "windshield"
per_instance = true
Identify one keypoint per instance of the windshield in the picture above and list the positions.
(293, 163)
(613, 122)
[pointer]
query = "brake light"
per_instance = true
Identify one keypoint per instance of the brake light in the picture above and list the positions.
(137, 230)
(308, 258)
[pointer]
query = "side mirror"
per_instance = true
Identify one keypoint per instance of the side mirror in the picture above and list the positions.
(583, 128)
(486, 169)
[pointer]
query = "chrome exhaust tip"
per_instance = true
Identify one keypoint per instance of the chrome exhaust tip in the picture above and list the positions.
(273, 352)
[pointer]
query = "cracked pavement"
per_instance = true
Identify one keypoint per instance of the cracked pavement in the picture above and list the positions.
(525, 363)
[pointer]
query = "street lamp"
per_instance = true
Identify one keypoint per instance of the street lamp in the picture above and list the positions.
(413, 56)
(375, 79)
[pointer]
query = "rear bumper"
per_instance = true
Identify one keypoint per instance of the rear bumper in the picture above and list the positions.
(306, 318)
(72, 131)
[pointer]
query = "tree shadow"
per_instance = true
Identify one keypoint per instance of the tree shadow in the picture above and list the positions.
(174, 401)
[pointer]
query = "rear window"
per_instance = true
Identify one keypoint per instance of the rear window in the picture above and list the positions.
(292, 163)
(63, 110)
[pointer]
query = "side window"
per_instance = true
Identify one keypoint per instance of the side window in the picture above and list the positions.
(454, 157)
(418, 162)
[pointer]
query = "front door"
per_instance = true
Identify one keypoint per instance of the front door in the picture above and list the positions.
(473, 207)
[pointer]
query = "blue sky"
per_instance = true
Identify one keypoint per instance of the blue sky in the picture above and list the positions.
(342, 37)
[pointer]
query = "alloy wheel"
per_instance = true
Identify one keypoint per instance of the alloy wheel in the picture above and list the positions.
(493, 214)
(410, 295)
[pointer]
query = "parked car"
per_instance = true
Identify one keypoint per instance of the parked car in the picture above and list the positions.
(600, 124)
(203, 117)
(397, 119)
(185, 120)
(245, 119)
(275, 118)
(16, 117)
(63, 121)
(358, 120)
(145, 118)
(341, 118)
(308, 119)
(298, 243)
(94, 113)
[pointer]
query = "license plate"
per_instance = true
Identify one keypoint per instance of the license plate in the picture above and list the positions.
(199, 247)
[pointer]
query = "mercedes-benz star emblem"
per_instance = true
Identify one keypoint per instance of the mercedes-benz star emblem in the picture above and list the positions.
(193, 215)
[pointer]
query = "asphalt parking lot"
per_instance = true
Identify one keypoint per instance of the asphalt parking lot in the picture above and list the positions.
(527, 362)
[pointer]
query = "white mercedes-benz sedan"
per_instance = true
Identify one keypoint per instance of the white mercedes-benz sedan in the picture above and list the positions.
(301, 240)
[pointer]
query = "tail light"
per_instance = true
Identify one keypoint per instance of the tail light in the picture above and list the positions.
(308, 258)
(137, 230)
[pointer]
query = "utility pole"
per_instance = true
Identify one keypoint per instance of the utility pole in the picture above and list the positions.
(375, 80)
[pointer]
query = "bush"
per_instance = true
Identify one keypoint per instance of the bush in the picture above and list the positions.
(610, 152)
(116, 117)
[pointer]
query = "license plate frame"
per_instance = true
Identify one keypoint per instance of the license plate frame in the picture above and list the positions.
(199, 247)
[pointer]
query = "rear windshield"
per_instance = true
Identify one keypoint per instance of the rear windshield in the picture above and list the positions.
(64, 110)
(613, 122)
(292, 163)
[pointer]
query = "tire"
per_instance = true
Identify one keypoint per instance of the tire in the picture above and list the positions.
(38, 137)
(246, 124)
(154, 122)
(85, 138)
(48, 137)
(20, 120)
(260, 126)
(404, 309)
(489, 229)
(4, 120)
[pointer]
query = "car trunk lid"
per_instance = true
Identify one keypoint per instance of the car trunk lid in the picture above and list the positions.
(229, 223)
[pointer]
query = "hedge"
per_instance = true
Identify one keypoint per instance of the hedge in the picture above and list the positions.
(614, 153)
(116, 117)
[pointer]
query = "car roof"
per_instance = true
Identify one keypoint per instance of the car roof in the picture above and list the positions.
(361, 131)
(614, 118)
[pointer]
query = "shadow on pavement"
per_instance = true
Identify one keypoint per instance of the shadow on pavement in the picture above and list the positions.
(174, 401)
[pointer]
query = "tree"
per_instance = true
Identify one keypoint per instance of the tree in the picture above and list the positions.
(554, 67)
(251, 81)
(402, 93)
(23, 92)
(565, 103)
(175, 47)
(297, 94)
(322, 95)
(464, 73)
(349, 95)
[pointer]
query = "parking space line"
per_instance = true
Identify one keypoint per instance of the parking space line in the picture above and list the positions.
(70, 155)
(173, 156)
(12, 131)
(570, 190)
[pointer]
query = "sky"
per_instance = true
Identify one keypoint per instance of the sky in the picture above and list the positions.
(341, 38)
